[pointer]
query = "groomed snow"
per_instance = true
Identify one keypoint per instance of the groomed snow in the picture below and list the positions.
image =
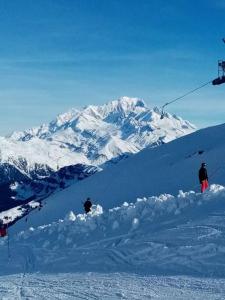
(99, 286)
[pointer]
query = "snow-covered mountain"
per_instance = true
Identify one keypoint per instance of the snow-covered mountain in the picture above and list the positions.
(42, 188)
(24, 189)
(91, 136)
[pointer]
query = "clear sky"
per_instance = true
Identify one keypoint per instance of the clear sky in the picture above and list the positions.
(58, 54)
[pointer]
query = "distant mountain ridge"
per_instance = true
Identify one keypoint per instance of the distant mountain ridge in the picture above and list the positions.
(90, 136)
(23, 189)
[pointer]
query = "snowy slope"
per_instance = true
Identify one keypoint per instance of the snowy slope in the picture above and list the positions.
(165, 169)
(162, 237)
(91, 136)
(109, 286)
(168, 235)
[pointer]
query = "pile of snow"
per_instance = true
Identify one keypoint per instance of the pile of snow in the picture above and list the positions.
(128, 216)
(165, 234)
(92, 136)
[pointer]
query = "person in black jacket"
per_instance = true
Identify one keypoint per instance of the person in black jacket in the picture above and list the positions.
(87, 205)
(203, 177)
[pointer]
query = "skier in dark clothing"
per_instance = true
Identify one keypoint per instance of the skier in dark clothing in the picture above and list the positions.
(203, 177)
(87, 205)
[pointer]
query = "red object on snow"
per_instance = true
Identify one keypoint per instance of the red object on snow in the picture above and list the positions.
(3, 232)
(204, 185)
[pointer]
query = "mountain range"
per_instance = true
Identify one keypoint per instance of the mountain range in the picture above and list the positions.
(91, 136)
(166, 169)
(33, 162)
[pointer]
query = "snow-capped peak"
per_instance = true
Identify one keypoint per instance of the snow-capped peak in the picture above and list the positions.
(94, 135)
(125, 104)
(66, 117)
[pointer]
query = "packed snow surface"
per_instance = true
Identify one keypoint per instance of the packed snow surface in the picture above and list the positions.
(99, 286)
(92, 135)
(165, 247)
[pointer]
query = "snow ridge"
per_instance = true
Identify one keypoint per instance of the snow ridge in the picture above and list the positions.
(129, 215)
(156, 235)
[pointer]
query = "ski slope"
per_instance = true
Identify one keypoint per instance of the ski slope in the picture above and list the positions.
(164, 235)
(165, 247)
(133, 244)
(166, 169)
(106, 286)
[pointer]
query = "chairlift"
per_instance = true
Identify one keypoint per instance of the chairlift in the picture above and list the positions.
(221, 73)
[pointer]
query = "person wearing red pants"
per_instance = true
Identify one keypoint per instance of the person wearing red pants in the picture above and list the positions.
(203, 177)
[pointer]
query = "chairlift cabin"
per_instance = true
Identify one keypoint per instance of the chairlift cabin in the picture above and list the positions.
(221, 73)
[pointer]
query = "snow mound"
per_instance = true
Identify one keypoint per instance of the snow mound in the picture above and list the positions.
(128, 215)
(164, 234)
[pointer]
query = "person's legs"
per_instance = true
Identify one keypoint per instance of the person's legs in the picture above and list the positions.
(87, 209)
(204, 185)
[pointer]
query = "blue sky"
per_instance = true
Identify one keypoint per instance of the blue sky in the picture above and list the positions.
(58, 54)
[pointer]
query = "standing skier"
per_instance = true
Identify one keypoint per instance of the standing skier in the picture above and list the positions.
(203, 177)
(87, 205)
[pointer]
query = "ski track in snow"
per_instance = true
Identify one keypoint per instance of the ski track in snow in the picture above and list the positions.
(108, 287)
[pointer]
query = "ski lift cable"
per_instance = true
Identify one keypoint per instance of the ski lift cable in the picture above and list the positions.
(186, 94)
